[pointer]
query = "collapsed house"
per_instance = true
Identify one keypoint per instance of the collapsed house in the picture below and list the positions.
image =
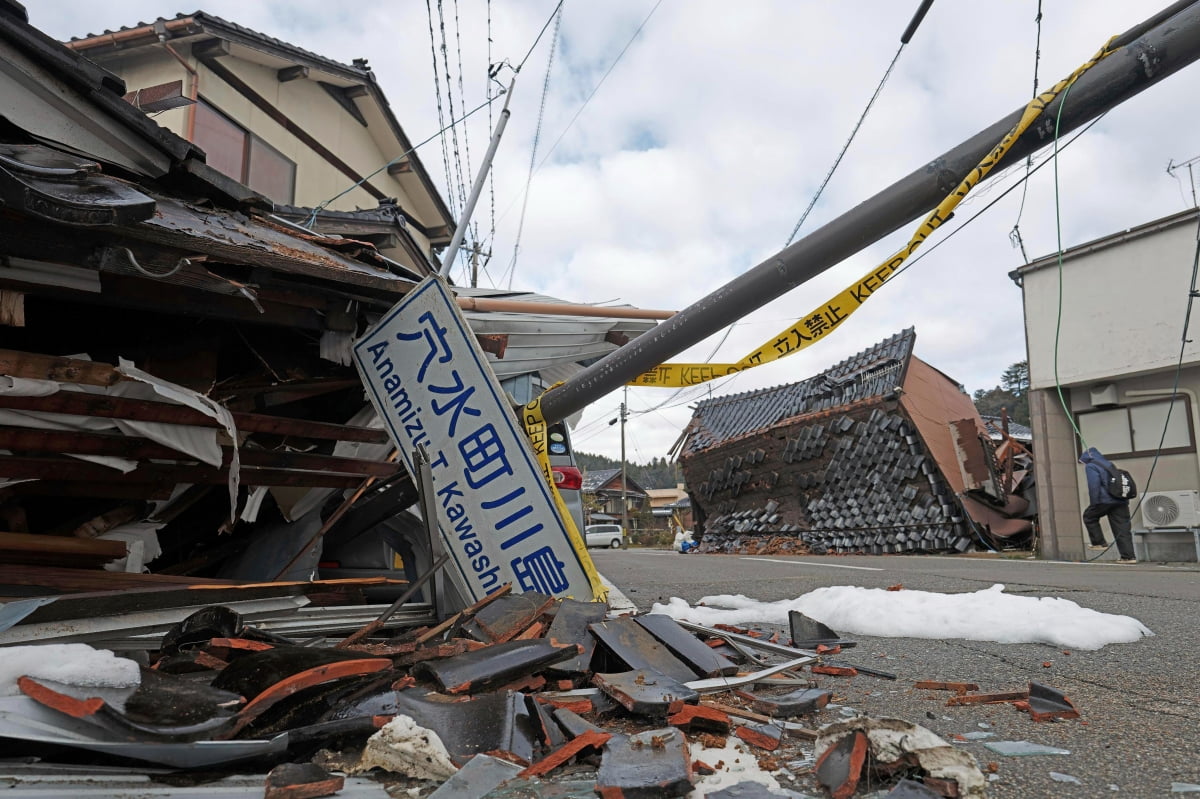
(175, 382)
(881, 453)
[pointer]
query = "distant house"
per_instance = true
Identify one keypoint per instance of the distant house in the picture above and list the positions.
(1120, 350)
(602, 492)
(995, 429)
(294, 126)
(880, 453)
(670, 506)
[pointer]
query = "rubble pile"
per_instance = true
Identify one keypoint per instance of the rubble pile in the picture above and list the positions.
(516, 690)
(879, 454)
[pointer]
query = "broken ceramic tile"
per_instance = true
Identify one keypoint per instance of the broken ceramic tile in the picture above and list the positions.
(648, 765)
(480, 775)
(638, 649)
(702, 659)
(570, 626)
(646, 693)
(492, 666)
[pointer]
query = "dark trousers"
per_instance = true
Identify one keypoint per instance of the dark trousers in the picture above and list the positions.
(1118, 520)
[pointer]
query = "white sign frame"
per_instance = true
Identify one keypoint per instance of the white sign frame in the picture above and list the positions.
(431, 385)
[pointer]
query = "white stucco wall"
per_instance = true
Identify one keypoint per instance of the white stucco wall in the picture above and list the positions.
(1122, 309)
(303, 101)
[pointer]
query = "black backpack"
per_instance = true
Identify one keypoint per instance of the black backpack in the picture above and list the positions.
(1120, 483)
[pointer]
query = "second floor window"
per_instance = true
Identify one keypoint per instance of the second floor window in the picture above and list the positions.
(234, 151)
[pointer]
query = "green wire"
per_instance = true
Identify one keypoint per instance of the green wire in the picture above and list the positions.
(1058, 227)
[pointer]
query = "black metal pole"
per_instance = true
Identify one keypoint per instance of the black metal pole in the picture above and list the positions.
(1153, 50)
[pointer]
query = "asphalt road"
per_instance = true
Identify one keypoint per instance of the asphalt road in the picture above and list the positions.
(1139, 730)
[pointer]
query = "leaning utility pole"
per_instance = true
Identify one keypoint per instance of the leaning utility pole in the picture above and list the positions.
(1151, 51)
(624, 472)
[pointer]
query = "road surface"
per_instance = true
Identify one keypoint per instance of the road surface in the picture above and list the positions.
(1140, 703)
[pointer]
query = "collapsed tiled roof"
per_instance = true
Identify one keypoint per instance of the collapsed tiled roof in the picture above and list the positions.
(873, 372)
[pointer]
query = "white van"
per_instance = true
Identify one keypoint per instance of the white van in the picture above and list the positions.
(605, 535)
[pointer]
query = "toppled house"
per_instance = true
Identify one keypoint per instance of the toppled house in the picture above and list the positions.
(189, 348)
(881, 453)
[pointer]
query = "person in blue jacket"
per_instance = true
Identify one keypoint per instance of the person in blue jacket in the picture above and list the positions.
(1103, 504)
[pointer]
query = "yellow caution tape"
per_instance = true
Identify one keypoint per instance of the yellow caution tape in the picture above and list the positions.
(535, 429)
(829, 315)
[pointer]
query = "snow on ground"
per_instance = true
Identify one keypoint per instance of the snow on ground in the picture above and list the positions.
(987, 615)
(72, 664)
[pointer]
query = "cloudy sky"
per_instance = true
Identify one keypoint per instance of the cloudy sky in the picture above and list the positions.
(695, 158)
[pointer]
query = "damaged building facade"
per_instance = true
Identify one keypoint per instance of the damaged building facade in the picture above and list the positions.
(174, 355)
(881, 453)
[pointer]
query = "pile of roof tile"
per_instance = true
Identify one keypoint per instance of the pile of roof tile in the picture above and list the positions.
(517, 689)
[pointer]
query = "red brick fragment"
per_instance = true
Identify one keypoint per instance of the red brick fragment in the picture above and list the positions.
(535, 631)
(942, 787)
(836, 671)
(583, 705)
(763, 737)
(526, 684)
(79, 708)
(828, 650)
(703, 769)
(301, 781)
(1047, 664)
(847, 781)
(407, 681)
(565, 685)
(987, 699)
(959, 688)
(896, 587)
(592, 739)
(208, 661)
(244, 644)
(504, 754)
(700, 718)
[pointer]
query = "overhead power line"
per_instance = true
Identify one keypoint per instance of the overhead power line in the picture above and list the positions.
(904, 40)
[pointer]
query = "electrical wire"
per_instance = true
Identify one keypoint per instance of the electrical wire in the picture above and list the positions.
(541, 33)
(511, 271)
(313, 217)
(587, 99)
(458, 166)
(828, 175)
(1014, 236)
(437, 90)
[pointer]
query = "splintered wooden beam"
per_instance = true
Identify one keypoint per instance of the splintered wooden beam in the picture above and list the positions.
(79, 404)
(53, 442)
(30, 549)
(35, 366)
(155, 474)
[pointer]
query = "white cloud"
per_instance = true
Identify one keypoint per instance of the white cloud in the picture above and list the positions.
(698, 154)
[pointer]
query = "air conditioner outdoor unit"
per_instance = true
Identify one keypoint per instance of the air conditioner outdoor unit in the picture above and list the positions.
(1171, 509)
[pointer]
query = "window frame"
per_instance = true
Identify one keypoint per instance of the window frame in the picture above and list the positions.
(1183, 405)
(249, 140)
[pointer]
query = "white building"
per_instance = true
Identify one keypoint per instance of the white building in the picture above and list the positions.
(1112, 340)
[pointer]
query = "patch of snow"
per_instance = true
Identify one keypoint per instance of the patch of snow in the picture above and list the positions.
(986, 615)
(739, 766)
(70, 664)
(405, 747)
